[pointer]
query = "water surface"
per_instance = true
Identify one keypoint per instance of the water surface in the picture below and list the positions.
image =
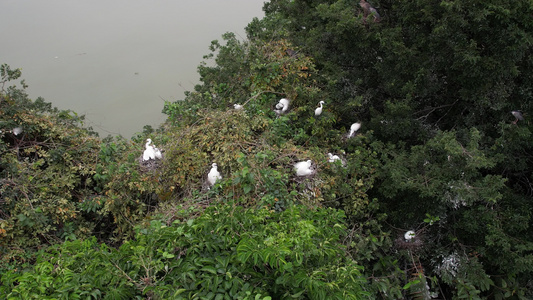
(115, 60)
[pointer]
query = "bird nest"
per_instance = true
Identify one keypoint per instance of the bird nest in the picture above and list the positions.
(304, 178)
(412, 244)
(149, 165)
(206, 186)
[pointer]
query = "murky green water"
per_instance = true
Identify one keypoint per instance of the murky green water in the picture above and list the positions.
(115, 60)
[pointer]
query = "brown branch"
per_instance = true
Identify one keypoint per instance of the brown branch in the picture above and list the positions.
(432, 109)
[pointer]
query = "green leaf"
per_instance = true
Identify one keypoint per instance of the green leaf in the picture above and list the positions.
(209, 269)
(410, 283)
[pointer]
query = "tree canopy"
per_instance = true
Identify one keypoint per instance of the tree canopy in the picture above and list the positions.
(432, 197)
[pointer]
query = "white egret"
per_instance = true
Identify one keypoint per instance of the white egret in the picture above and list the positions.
(333, 158)
(354, 128)
(213, 175)
(303, 168)
(409, 235)
(157, 152)
(149, 152)
(237, 106)
(318, 111)
(17, 130)
(518, 115)
(283, 105)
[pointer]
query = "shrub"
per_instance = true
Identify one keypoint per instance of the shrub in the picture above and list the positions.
(228, 252)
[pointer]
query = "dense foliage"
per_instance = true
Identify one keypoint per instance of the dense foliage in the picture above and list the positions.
(46, 168)
(227, 253)
(433, 84)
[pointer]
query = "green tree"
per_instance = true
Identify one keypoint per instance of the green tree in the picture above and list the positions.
(435, 82)
(226, 253)
(46, 169)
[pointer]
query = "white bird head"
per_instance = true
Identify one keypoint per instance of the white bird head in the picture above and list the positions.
(321, 102)
(148, 142)
(214, 165)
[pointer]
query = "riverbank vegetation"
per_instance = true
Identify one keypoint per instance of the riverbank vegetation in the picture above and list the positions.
(431, 199)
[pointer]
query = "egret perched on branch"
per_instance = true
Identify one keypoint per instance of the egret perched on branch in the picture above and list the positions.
(518, 115)
(353, 129)
(149, 153)
(237, 106)
(318, 111)
(213, 175)
(303, 168)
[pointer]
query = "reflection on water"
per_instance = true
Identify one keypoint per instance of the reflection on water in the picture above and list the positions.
(115, 61)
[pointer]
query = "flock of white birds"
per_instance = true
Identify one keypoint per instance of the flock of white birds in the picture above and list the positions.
(303, 168)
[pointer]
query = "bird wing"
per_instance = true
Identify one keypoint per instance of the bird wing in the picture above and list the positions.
(302, 165)
(146, 156)
(149, 153)
(158, 153)
(285, 104)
